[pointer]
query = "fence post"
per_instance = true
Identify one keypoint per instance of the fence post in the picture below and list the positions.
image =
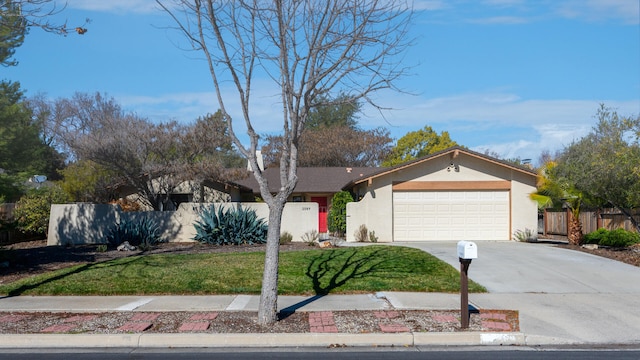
(545, 217)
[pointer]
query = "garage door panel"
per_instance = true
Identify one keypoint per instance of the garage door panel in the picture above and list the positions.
(451, 215)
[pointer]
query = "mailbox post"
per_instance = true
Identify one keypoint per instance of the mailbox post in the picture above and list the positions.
(467, 251)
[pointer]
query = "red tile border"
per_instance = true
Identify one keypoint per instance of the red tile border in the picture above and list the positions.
(496, 325)
(386, 314)
(13, 318)
(145, 317)
(323, 318)
(60, 328)
(135, 326)
(322, 322)
(494, 316)
(194, 326)
(444, 318)
(393, 328)
(323, 329)
(204, 316)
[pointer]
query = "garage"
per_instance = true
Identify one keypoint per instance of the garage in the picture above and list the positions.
(450, 215)
(456, 194)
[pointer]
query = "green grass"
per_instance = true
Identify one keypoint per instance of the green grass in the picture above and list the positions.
(337, 271)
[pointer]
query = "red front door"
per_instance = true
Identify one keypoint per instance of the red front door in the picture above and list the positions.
(322, 213)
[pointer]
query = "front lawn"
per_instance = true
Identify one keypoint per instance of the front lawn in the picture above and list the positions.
(337, 271)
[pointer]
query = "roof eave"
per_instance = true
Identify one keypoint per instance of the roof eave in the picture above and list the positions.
(433, 156)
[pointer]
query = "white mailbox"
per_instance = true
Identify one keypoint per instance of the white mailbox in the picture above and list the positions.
(467, 250)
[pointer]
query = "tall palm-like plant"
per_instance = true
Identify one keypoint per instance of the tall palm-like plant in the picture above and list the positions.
(554, 191)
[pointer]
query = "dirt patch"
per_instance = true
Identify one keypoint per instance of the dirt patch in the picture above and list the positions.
(630, 255)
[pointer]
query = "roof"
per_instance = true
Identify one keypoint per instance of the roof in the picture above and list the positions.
(313, 179)
(451, 150)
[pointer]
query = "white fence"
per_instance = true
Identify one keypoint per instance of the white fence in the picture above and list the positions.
(75, 224)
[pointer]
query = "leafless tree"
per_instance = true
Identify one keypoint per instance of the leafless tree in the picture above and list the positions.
(334, 146)
(38, 14)
(153, 159)
(310, 49)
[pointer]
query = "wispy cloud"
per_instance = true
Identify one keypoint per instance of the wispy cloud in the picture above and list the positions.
(115, 6)
(626, 11)
(514, 12)
(499, 121)
(505, 20)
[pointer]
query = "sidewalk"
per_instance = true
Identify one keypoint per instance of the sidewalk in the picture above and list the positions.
(195, 315)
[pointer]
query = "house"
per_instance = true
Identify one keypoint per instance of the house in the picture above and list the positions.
(316, 185)
(455, 194)
(207, 191)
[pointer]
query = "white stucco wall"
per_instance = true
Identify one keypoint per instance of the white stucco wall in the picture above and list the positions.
(74, 224)
(524, 211)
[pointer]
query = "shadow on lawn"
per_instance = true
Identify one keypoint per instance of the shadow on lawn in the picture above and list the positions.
(328, 271)
(24, 288)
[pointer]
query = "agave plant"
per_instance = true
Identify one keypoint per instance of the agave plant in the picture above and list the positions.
(144, 232)
(230, 227)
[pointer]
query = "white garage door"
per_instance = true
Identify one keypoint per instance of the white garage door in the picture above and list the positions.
(450, 215)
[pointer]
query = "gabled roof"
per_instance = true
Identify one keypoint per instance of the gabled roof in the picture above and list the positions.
(312, 179)
(452, 150)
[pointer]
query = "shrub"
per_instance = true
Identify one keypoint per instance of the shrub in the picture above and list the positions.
(337, 219)
(526, 235)
(372, 237)
(620, 238)
(127, 205)
(230, 227)
(310, 237)
(285, 238)
(34, 209)
(143, 233)
(596, 236)
(362, 234)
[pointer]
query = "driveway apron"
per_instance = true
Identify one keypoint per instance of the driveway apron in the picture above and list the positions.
(563, 295)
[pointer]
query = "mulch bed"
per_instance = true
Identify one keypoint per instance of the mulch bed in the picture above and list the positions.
(238, 322)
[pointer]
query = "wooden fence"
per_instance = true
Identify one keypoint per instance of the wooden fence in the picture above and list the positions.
(555, 222)
(6, 216)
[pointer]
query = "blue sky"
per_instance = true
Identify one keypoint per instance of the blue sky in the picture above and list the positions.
(516, 77)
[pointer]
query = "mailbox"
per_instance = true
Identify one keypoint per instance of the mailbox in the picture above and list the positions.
(467, 250)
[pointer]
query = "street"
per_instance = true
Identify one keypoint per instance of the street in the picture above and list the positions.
(449, 353)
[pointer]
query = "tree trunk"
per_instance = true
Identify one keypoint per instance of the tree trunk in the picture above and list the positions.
(629, 216)
(575, 230)
(268, 310)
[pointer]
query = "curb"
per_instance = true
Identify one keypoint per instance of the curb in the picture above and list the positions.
(257, 340)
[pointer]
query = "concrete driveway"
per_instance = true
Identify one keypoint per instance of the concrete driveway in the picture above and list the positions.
(563, 296)
(516, 267)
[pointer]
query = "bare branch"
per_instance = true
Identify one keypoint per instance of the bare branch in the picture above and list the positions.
(312, 50)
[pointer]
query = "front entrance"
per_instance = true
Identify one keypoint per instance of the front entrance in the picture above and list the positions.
(322, 213)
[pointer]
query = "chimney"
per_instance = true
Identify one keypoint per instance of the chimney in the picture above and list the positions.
(260, 161)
